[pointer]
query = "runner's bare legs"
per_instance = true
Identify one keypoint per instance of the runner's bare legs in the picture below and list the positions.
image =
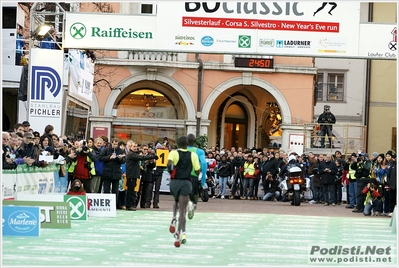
(182, 206)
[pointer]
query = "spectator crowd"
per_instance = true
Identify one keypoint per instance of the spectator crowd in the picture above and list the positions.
(366, 183)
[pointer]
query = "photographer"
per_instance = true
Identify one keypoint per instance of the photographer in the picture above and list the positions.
(363, 169)
(82, 165)
(112, 157)
(372, 192)
(326, 119)
(273, 193)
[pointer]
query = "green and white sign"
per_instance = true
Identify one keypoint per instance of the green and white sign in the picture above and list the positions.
(78, 204)
(53, 214)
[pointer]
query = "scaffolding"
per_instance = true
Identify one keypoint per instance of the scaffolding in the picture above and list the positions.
(346, 138)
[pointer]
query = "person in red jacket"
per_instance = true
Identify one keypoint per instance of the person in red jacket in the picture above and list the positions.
(373, 202)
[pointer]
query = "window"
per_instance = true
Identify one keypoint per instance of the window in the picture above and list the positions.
(148, 9)
(330, 86)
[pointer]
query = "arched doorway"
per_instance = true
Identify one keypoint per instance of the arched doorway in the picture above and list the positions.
(150, 105)
(235, 126)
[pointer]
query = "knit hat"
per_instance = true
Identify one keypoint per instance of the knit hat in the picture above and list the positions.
(389, 153)
(354, 154)
(382, 156)
(375, 154)
(159, 146)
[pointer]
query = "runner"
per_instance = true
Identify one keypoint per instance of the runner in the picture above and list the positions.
(180, 164)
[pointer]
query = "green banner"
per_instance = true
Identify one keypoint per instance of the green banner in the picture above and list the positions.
(53, 214)
(78, 205)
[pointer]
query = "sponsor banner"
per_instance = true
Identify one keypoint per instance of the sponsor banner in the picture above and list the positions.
(46, 93)
(275, 28)
(33, 180)
(9, 184)
(383, 41)
(93, 30)
(78, 204)
(21, 221)
(53, 214)
(314, 29)
(81, 76)
(101, 205)
(36, 182)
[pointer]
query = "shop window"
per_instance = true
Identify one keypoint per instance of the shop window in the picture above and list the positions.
(146, 103)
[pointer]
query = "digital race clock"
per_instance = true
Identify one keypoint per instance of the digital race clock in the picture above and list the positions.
(253, 63)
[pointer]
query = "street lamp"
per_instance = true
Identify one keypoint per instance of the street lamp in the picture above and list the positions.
(41, 32)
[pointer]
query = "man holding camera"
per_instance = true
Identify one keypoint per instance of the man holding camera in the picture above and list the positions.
(372, 193)
(326, 119)
(362, 168)
(82, 165)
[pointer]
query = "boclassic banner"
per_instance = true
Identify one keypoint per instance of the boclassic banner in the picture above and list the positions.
(45, 95)
(315, 29)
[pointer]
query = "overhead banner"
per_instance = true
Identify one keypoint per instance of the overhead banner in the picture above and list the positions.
(272, 28)
(312, 29)
(106, 31)
(45, 95)
(383, 44)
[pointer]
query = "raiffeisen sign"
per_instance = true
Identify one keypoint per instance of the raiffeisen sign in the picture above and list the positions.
(314, 29)
(109, 31)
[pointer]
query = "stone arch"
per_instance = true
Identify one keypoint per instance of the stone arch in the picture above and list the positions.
(284, 107)
(159, 77)
(251, 117)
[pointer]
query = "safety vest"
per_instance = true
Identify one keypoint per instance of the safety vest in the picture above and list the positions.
(351, 173)
(249, 168)
(71, 168)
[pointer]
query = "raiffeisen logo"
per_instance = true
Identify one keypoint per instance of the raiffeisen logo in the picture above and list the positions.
(79, 31)
(262, 8)
(22, 221)
(119, 33)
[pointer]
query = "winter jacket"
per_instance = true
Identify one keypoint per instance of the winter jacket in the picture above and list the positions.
(112, 167)
(133, 164)
(224, 169)
(148, 166)
(327, 177)
(391, 177)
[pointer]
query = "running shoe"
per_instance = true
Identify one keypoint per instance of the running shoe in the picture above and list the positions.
(177, 239)
(183, 238)
(190, 210)
(172, 227)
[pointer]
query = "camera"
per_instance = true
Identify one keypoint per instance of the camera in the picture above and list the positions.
(87, 165)
(372, 185)
(359, 159)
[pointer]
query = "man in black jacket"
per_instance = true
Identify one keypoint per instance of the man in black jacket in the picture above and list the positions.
(133, 173)
(146, 178)
(327, 171)
(112, 156)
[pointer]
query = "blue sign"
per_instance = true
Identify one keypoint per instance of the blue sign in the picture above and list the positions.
(21, 221)
(207, 41)
(42, 78)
